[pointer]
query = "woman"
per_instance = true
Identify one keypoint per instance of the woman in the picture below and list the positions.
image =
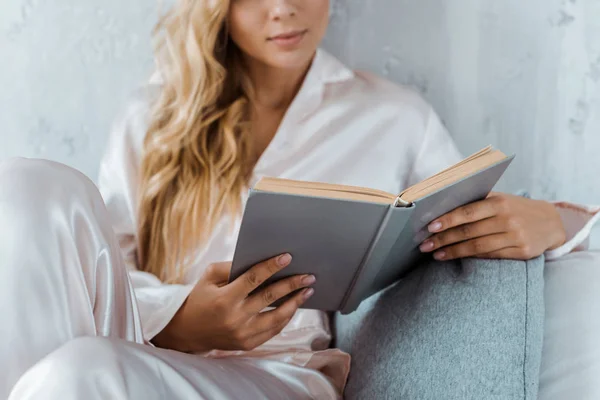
(243, 92)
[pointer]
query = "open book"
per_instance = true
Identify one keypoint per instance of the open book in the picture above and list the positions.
(355, 240)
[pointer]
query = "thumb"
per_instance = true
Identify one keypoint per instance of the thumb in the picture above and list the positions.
(218, 273)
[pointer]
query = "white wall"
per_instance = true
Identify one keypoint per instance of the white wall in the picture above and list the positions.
(522, 75)
(66, 68)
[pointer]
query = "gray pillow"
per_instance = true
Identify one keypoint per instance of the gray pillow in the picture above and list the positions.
(468, 329)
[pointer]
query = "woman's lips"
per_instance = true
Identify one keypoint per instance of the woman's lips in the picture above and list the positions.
(288, 39)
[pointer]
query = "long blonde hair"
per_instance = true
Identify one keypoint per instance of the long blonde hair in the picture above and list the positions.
(197, 153)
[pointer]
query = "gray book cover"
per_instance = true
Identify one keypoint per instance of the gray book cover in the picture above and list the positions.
(354, 248)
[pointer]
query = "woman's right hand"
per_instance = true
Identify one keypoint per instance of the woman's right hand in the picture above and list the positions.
(224, 316)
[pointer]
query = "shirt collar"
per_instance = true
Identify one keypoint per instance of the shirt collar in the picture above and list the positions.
(324, 70)
(327, 69)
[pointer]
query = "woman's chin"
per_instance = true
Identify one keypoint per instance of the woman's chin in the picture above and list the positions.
(291, 60)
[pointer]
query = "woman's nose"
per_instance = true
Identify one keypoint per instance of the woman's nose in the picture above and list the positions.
(281, 9)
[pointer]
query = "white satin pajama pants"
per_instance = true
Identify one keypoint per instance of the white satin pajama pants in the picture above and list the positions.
(69, 322)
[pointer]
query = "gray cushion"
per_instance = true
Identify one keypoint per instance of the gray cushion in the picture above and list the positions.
(469, 329)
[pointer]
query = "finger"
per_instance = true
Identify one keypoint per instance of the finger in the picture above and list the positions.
(462, 233)
(475, 247)
(267, 335)
(267, 296)
(218, 273)
(258, 274)
(463, 215)
(267, 320)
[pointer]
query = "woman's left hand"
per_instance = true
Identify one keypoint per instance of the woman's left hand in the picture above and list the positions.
(501, 226)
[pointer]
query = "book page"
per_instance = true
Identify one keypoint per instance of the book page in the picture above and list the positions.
(324, 190)
(467, 167)
(470, 165)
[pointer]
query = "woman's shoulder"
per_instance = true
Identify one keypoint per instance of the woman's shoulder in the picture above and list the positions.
(377, 90)
(365, 89)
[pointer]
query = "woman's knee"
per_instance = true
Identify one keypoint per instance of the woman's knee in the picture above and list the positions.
(84, 368)
(579, 260)
(571, 277)
(572, 295)
(40, 179)
(32, 189)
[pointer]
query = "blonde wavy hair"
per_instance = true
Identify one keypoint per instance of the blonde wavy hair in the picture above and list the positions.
(197, 154)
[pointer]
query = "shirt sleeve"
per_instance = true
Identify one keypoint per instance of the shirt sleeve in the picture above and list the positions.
(118, 181)
(578, 221)
(439, 152)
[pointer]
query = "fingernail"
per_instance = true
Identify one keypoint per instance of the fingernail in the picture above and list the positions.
(308, 293)
(426, 246)
(309, 280)
(284, 260)
(439, 255)
(434, 226)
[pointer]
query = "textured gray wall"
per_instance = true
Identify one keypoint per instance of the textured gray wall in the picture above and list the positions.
(522, 75)
(66, 68)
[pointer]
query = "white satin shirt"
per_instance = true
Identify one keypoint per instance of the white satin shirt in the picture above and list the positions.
(343, 127)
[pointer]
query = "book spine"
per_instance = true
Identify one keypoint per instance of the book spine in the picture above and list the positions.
(367, 259)
(399, 202)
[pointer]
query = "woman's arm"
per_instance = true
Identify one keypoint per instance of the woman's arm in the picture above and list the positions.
(501, 226)
(211, 313)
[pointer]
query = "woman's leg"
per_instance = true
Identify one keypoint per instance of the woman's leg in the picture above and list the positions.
(571, 357)
(96, 368)
(70, 323)
(61, 272)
